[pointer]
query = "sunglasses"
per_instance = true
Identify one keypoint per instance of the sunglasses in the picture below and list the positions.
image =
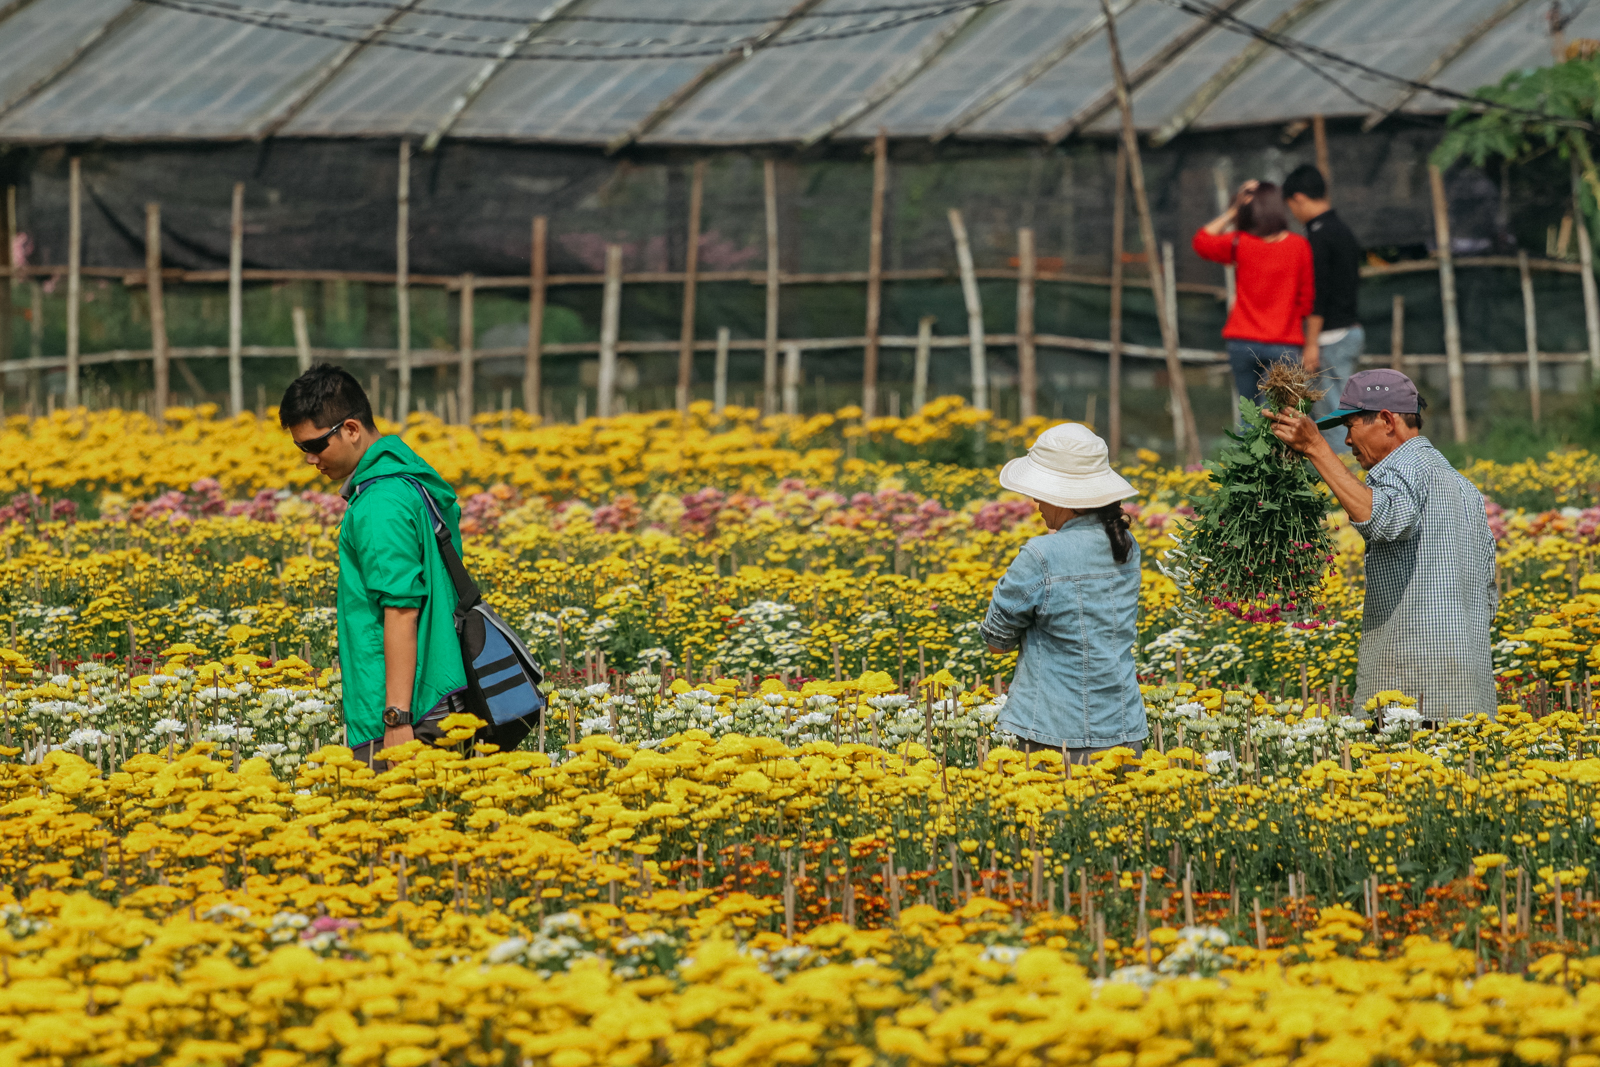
(319, 444)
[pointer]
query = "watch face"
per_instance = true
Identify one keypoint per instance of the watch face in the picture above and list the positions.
(391, 717)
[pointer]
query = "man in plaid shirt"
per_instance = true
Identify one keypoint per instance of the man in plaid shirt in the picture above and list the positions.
(1431, 589)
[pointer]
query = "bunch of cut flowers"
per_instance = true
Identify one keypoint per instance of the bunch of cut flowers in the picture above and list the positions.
(1258, 546)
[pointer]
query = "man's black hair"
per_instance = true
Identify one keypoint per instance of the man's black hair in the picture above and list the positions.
(1305, 179)
(1412, 419)
(325, 395)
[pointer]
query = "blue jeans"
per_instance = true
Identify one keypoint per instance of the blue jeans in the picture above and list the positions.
(1338, 363)
(1250, 360)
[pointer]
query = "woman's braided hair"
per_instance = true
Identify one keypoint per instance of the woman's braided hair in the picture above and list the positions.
(1115, 521)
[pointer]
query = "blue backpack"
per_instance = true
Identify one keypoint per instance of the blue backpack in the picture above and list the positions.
(502, 677)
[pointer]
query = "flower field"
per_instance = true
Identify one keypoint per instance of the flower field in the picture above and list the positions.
(770, 818)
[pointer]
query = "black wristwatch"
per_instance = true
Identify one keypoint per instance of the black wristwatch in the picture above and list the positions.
(393, 717)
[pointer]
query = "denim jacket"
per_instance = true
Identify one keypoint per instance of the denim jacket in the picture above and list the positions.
(1072, 609)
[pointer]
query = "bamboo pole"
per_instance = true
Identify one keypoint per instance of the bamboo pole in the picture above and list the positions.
(1230, 273)
(1119, 228)
(1027, 356)
(1169, 276)
(8, 238)
(302, 338)
(1319, 137)
(919, 370)
(74, 276)
(532, 362)
(719, 381)
(1530, 330)
(610, 318)
(469, 338)
(1591, 300)
(402, 282)
(1147, 236)
(158, 310)
(969, 293)
(1447, 295)
(236, 303)
(1397, 334)
(691, 266)
(791, 379)
(769, 369)
(869, 365)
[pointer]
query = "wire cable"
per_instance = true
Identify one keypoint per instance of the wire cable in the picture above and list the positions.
(374, 34)
(620, 20)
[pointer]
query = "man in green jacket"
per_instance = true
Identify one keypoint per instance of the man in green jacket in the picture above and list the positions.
(399, 654)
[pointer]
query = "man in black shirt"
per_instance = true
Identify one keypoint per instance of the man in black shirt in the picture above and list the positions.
(1334, 338)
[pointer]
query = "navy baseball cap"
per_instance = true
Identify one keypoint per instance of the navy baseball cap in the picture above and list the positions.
(1373, 390)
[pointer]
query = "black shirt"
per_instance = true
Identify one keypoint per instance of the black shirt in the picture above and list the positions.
(1336, 265)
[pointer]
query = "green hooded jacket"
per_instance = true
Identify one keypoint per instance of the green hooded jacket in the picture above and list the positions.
(389, 558)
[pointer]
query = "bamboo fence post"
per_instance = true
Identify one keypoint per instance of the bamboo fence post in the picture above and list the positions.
(1230, 274)
(464, 382)
(302, 337)
(236, 302)
(402, 282)
(74, 275)
(869, 365)
(1027, 357)
(1147, 236)
(769, 369)
(1447, 295)
(158, 310)
(969, 294)
(1169, 285)
(919, 370)
(532, 363)
(691, 268)
(1397, 334)
(791, 379)
(1530, 330)
(610, 316)
(1319, 137)
(1591, 300)
(8, 237)
(719, 381)
(1119, 240)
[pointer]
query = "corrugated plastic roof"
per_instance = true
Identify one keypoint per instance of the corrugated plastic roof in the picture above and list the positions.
(121, 70)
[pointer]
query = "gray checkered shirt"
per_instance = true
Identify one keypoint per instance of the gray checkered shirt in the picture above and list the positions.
(1431, 590)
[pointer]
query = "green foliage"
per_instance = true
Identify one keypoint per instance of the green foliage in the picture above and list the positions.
(1529, 113)
(1259, 545)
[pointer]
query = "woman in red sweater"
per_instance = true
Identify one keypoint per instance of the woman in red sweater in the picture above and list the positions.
(1273, 282)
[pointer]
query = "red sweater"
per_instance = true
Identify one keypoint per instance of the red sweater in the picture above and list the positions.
(1274, 283)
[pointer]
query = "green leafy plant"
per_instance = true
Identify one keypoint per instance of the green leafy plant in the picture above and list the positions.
(1259, 545)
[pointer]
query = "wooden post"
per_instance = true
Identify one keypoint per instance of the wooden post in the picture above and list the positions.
(1027, 366)
(531, 366)
(1447, 294)
(1119, 227)
(464, 382)
(74, 275)
(1169, 286)
(769, 370)
(610, 317)
(691, 269)
(869, 366)
(8, 236)
(302, 337)
(969, 293)
(1397, 334)
(791, 379)
(158, 310)
(236, 303)
(1225, 197)
(1319, 137)
(719, 381)
(402, 283)
(1147, 236)
(919, 370)
(1591, 300)
(1530, 330)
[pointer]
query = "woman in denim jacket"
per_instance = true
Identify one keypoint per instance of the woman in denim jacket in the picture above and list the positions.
(1069, 601)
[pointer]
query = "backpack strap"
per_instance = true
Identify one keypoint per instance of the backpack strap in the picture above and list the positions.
(467, 592)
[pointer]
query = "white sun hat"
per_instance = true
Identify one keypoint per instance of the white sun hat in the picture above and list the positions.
(1067, 466)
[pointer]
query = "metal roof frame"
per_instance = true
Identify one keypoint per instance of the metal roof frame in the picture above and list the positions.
(87, 45)
(1444, 59)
